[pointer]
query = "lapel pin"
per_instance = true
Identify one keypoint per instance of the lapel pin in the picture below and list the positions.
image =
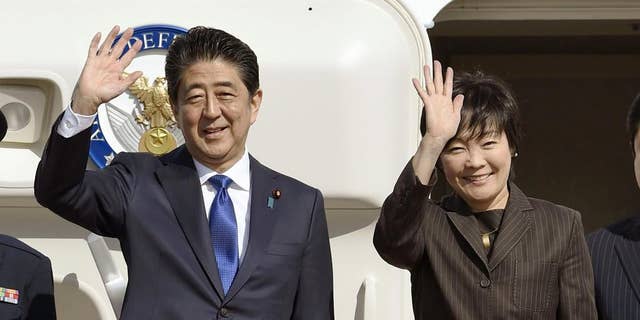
(9, 295)
(271, 201)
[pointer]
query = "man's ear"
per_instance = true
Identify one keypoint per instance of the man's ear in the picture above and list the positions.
(254, 104)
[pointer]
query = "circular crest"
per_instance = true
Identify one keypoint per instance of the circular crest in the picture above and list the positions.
(140, 119)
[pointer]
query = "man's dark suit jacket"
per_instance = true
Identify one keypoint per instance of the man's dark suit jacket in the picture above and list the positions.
(154, 207)
(615, 253)
(24, 269)
(539, 267)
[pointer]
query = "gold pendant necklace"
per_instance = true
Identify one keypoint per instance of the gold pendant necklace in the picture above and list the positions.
(486, 241)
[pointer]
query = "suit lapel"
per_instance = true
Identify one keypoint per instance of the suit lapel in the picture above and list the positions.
(180, 181)
(516, 221)
(261, 223)
(466, 224)
(629, 254)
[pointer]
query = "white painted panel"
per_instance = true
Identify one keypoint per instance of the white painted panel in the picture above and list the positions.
(339, 111)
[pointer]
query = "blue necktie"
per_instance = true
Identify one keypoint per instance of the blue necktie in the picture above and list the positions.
(224, 231)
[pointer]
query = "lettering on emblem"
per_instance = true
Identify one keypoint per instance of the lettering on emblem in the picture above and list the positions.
(97, 135)
(153, 40)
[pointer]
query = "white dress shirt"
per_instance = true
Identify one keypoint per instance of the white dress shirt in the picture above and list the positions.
(73, 123)
(239, 191)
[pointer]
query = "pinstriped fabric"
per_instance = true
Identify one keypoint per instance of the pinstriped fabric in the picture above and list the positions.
(539, 267)
(615, 254)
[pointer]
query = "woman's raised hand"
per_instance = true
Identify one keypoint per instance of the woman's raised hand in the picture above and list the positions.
(442, 112)
(442, 118)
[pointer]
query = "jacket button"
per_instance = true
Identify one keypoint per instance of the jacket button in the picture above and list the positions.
(485, 283)
(224, 312)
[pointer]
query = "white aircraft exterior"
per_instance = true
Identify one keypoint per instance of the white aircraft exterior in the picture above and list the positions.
(339, 113)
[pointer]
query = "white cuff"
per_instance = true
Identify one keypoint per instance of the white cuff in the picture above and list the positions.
(73, 123)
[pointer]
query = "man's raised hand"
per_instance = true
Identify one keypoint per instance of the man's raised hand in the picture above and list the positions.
(102, 75)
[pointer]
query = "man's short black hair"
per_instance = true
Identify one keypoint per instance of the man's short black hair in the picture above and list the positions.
(208, 44)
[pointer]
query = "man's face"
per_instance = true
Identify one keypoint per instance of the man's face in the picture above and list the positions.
(214, 112)
(636, 159)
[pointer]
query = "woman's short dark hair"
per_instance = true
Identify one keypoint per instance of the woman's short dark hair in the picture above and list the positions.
(489, 106)
(207, 44)
(633, 121)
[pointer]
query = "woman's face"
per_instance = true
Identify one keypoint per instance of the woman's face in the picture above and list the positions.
(478, 169)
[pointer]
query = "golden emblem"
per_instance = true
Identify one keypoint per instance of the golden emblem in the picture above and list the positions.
(156, 115)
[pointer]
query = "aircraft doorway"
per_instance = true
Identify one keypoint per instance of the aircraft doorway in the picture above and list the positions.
(574, 80)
